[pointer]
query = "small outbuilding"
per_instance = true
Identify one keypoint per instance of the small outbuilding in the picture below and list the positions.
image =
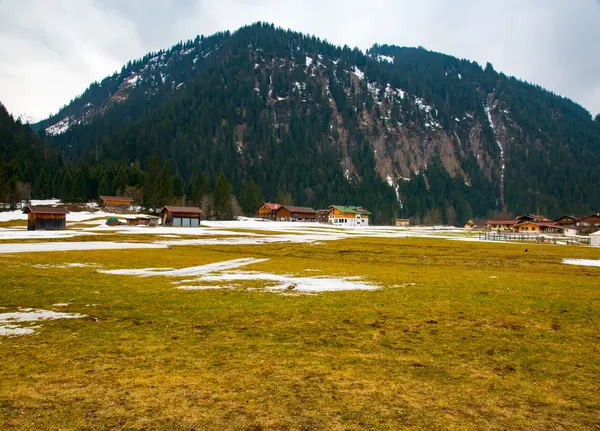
(46, 218)
(120, 202)
(143, 220)
(322, 216)
(595, 239)
(402, 222)
(181, 216)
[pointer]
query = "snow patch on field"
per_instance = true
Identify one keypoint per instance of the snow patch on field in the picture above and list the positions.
(221, 272)
(289, 283)
(582, 262)
(75, 246)
(186, 272)
(14, 324)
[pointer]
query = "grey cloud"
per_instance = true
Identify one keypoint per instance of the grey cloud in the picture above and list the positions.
(50, 50)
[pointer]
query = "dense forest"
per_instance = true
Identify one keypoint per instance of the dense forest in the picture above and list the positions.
(269, 114)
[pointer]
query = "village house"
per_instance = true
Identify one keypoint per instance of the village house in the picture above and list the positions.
(589, 221)
(532, 217)
(322, 216)
(402, 222)
(501, 224)
(267, 211)
(470, 224)
(539, 227)
(292, 213)
(566, 221)
(181, 216)
(348, 215)
(46, 218)
(119, 202)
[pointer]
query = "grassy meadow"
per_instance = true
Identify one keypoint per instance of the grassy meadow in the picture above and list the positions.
(462, 336)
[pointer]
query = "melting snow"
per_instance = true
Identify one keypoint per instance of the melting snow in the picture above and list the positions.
(309, 61)
(132, 80)
(186, 272)
(289, 283)
(59, 128)
(385, 58)
(582, 262)
(359, 74)
(11, 324)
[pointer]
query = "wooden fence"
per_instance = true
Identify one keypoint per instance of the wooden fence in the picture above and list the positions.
(538, 238)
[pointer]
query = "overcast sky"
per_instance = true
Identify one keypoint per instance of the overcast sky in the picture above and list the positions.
(51, 50)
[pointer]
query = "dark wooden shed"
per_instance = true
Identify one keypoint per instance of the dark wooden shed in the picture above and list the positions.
(46, 218)
(181, 216)
(292, 213)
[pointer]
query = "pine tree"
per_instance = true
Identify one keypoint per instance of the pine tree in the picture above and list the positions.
(250, 197)
(222, 198)
(152, 197)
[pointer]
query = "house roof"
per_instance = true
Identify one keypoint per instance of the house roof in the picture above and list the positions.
(597, 233)
(503, 221)
(294, 209)
(44, 210)
(350, 209)
(565, 216)
(116, 198)
(183, 210)
(272, 207)
(588, 216)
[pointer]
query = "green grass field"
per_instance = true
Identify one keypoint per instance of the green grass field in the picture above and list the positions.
(474, 336)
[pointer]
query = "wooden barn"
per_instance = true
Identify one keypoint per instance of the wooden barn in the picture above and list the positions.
(402, 222)
(46, 218)
(292, 213)
(181, 216)
(143, 220)
(322, 216)
(116, 202)
(267, 211)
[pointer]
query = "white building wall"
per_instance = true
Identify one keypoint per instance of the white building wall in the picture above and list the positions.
(595, 240)
(350, 221)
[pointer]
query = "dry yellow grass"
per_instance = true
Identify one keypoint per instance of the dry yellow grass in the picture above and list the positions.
(456, 350)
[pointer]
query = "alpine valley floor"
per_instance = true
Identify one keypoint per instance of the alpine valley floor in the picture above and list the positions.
(228, 328)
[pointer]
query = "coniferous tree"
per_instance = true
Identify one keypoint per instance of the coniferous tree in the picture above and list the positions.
(250, 197)
(152, 196)
(222, 198)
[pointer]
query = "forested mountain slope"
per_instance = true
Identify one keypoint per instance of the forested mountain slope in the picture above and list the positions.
(402, 131)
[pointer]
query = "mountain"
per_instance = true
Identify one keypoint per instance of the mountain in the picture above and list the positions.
(402, 131)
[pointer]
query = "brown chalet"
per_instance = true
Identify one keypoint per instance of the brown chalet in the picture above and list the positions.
(45, 218)
(589, 223)
(116, 201)
(539, 227)
(501, 224)
(267, 211)
(566, 221)
(292, 213)
(181, 216)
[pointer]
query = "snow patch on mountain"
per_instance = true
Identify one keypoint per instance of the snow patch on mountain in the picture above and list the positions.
(387, 58)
